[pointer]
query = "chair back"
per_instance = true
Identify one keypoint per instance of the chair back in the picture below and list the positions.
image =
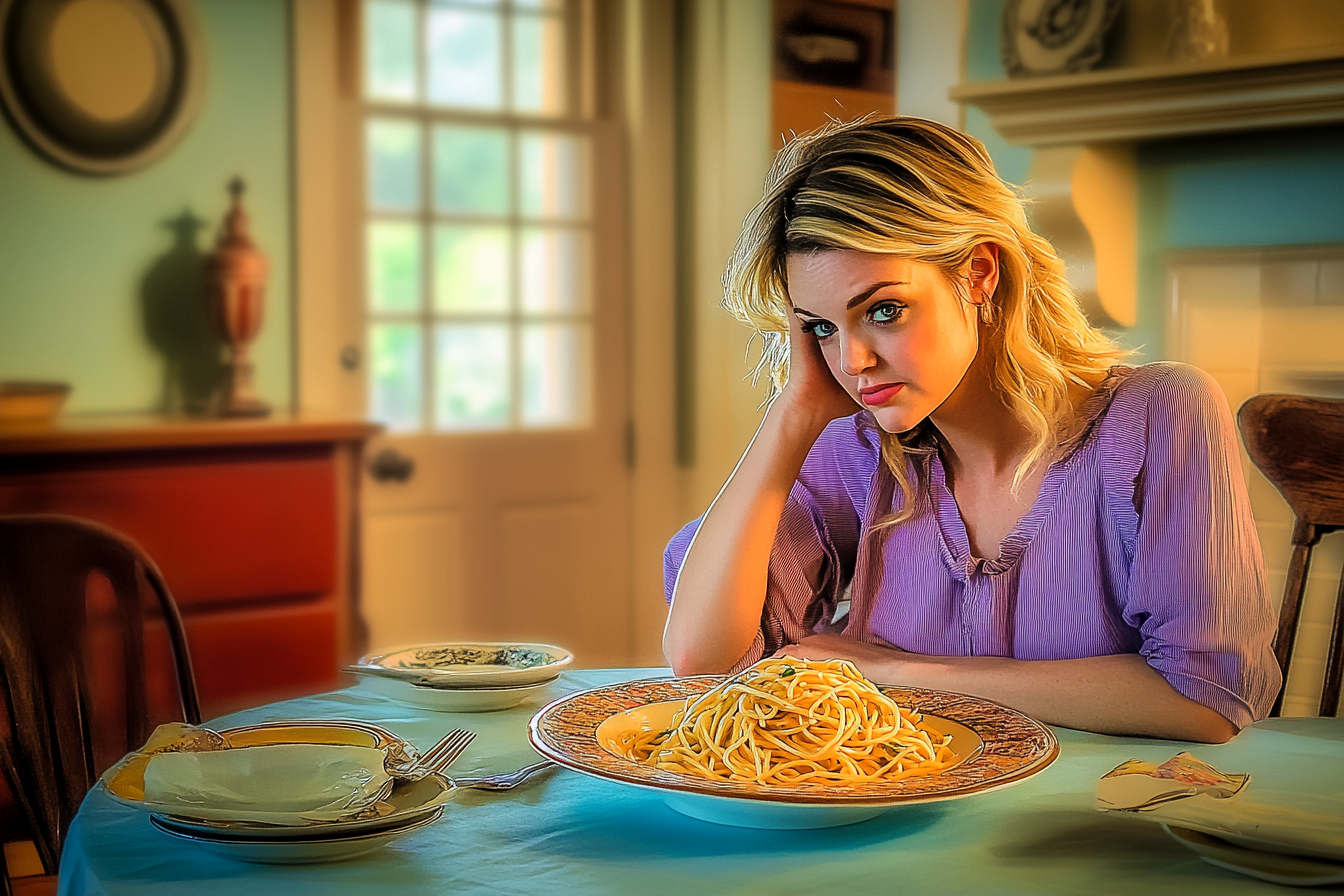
(83, 614)
(1298, 443)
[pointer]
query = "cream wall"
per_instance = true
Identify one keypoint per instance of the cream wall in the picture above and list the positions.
(727, 83)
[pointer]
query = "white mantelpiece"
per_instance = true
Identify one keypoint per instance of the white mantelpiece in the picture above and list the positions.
(1271, 90)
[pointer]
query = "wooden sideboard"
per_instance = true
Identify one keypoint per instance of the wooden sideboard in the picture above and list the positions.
(254, 524)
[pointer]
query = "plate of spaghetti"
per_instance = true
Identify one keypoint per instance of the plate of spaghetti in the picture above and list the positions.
(791, 743)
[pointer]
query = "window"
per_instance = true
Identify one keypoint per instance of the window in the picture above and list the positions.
(478, 228)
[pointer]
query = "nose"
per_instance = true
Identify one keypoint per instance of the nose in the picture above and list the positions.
(856, 356)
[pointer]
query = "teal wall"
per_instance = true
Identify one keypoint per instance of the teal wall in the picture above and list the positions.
(1280, 188)
(100, 277)
(1254, 189)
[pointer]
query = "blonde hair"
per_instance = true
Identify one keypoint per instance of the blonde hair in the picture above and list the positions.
(921, 190)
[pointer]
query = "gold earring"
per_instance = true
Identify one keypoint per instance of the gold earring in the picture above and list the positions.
(986, 311)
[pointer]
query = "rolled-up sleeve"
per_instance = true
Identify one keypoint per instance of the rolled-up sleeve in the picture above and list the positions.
(1197, 590)
(812, 559)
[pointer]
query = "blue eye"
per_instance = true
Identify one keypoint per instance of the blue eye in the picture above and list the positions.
(822, 328)
(886, 312)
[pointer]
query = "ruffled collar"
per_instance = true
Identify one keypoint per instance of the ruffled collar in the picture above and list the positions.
(952, 528)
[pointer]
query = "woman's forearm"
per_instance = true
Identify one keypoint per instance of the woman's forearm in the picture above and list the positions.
(1119, 694)
(1107, 694)
(720, 589)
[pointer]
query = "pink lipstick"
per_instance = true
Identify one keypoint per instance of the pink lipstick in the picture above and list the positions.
(880, 394)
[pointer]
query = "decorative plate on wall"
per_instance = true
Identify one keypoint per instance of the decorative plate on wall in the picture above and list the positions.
(1048, 37)
(99, 86)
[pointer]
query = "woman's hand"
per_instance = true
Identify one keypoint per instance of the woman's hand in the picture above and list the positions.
(812, 388)
(881, 663)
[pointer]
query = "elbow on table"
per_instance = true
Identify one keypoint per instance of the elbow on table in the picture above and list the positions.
(1214, 728)
(694, 659)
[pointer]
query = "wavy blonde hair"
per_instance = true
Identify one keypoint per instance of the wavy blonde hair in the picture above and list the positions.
(923, 191)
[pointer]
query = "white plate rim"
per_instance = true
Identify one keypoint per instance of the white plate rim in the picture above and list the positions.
(452, 699)
(1227, 854)
(301, 852)
(446, 678)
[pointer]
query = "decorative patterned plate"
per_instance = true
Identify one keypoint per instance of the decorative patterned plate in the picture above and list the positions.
(469, 664)
(453, 699)
(304, 851)
(997, 747)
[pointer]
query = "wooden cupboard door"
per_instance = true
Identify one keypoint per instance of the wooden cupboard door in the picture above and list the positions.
(222, 529)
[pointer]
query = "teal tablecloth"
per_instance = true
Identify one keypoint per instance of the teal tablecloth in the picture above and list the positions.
(568, 833)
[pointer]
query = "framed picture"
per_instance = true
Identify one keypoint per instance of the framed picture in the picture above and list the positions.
(835, 44)
(99, 86)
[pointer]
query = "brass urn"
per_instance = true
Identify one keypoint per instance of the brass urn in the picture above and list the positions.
(236, 280)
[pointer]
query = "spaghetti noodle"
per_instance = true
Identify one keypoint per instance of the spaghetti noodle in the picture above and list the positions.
(788, 721)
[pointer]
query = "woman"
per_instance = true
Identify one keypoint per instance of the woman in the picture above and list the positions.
(1013, 514)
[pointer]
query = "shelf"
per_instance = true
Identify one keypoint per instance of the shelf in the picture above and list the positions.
(70, 433)
(1287, 89)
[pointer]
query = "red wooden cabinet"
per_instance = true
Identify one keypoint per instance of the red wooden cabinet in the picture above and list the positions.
(253, 524)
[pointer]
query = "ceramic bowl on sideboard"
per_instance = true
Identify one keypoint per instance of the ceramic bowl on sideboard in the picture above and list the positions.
(30, 400)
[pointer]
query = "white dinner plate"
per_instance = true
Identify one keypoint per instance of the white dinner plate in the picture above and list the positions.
(996, 748)
(1275, 867)
(453, 699)
(408, 802)
(471, 664)
(302, 851)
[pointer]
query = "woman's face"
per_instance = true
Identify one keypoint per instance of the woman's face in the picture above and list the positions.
(894, 333)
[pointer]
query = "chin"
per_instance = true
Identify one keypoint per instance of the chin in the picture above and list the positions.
(897, 420)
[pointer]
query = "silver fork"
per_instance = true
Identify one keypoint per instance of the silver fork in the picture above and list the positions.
(506, 781)
(445, 752)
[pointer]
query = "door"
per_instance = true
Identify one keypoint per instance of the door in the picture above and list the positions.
(491, 329)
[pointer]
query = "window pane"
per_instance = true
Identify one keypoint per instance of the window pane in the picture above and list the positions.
(395, 372)
(554, 175)
(389, 49)
(465, 67)
(554, 270)
(394, 164)
(471, 269)
(471, 170)
(555, 374)
(472, 376)
(394, 266)
(539, 64)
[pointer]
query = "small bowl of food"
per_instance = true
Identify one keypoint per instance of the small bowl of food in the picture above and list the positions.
(31, 400)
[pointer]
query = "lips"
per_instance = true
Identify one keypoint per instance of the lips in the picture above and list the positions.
(880, 394)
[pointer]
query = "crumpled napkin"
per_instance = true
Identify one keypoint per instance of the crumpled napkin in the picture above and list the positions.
(1187, 792)
(271, 783)
(1140, 786)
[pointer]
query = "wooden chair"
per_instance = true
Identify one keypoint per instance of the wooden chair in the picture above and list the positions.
(1298, 443)
(92, 656)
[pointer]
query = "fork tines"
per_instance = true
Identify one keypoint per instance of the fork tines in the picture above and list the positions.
(446, 751)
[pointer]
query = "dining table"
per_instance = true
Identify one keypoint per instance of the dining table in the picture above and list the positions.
(567, 832)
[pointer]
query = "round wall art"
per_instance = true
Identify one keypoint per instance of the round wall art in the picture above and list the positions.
(99, 86)
(1049, 37)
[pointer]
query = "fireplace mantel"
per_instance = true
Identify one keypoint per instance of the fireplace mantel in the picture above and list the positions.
(1129, 105)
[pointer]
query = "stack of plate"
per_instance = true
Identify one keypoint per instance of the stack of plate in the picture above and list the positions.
(463, 676)
(403, 806)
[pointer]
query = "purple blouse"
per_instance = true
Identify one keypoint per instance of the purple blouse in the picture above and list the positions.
(1140, 541)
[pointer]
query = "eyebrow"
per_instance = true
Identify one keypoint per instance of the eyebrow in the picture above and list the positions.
(861, 297)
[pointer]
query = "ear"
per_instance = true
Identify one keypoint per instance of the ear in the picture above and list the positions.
(984, 271)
